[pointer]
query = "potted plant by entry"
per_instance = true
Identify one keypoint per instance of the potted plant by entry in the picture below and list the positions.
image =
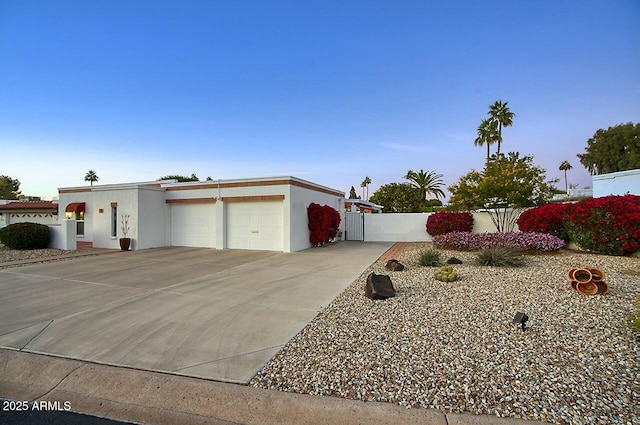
(125, 242)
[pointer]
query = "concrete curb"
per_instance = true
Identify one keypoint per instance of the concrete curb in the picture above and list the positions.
(155, 398)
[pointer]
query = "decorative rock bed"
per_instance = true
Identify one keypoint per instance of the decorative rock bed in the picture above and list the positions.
(452, 345)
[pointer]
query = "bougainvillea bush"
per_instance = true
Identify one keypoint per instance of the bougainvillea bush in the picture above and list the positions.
(324, 222)
(467, 241)
(446, 222)
(608, 225)
(545, 219)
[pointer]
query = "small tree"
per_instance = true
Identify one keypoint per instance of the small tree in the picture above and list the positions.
(614, 149)
(352, 193)
(9, 188)
(365, 184)
(426, 183)
(565, 166)
(397, 197)
(507, 185)
(180, 178)
(91, 177)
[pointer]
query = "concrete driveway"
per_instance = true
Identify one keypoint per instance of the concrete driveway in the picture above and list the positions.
(215, 314)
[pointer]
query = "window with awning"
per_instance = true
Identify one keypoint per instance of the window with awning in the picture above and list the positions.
(75, 207)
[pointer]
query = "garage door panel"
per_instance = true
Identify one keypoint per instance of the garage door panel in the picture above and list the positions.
(193, 225)
(255, 225)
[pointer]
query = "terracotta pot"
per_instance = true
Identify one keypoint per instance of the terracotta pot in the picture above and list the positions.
(573, 284)
(597, 274)
(125, 243)
(603, 287)
(570, 274)
(582, 275)
(587, 288)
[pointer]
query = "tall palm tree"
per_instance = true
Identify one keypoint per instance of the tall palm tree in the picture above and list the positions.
(565, 166)
(487, 134)
(365, 183)
(500, 112)
(91, 177)
(428, 182)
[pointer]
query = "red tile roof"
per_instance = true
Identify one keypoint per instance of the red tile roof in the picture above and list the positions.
(29, 205)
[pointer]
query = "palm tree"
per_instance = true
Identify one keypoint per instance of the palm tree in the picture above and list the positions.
(500, 113)
(487, 134)
(565, 166)
(429, 182)
(365, 183)
(91, 177)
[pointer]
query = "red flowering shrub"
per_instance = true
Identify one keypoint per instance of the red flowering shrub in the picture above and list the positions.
(609, 225)
(545, 219)
(324, 222)
(445, 222)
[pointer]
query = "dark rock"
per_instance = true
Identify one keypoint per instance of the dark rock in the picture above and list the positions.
(379, 287)
(454, 260)
(394, 266)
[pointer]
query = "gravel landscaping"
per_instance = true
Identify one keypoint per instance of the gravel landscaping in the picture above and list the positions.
(452, 346)
(9, 255)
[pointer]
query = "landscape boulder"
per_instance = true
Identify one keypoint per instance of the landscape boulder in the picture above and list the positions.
(454, 260)
(379, 287)
(394, 266)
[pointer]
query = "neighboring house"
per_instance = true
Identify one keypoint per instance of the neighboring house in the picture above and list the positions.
(43, 212)
(262, 213)
(358, 205)
(619, 183)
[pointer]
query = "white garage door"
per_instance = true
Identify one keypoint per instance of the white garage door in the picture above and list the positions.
(255, 225)
(193, 225)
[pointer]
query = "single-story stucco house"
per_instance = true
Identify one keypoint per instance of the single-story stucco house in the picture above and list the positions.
(260, 213)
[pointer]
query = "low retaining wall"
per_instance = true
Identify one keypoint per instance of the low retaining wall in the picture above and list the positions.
(63, 235)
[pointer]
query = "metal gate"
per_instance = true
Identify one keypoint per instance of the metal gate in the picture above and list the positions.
(354, 226)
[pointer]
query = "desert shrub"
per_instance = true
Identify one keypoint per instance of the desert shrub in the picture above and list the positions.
(545, 219)
(324, 222)
(25, 236)
(429, 257)
(466, 241)
(608, 225)
(446, 222)
(500, 256)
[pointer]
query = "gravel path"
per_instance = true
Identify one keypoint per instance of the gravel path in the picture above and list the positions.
(452, 346)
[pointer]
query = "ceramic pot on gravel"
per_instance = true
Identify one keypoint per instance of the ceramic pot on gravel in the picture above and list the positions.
(603, 287)
(582, 275)
(589, 288)
(596, 274)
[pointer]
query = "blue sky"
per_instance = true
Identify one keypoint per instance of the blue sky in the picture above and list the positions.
(328, 91)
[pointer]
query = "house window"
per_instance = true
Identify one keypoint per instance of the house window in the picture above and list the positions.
(114, 220)
(80, 223)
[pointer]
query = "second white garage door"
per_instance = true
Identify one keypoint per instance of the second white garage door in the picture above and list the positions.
(255, 225)
(193, 225)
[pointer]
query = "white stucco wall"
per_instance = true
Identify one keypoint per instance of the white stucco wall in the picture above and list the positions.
(153, 219)
(619, 183)
(405, 227)
(412, 227)
(127, 200)
(299, 221)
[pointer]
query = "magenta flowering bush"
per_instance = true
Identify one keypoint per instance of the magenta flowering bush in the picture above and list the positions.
(467, 241)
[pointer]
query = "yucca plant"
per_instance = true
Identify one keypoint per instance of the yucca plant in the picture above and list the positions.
(429, 257)
(500, 257)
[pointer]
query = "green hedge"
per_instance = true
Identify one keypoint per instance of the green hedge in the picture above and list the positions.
(25, 236)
